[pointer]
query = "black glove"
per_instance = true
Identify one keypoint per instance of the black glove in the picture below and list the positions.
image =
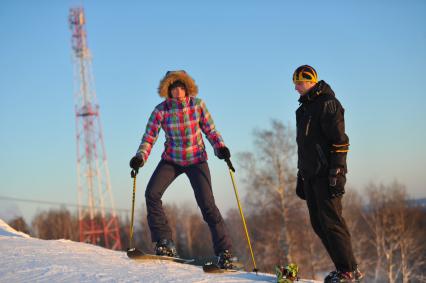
(136, 162)
(300, 192)
(337, 181)
(223, 153)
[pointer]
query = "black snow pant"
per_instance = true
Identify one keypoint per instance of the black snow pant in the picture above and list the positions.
(199, 177)
(328, 223)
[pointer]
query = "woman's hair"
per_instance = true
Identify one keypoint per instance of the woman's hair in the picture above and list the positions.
(173, 77)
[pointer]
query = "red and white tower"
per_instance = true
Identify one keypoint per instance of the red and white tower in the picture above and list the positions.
(97, 217)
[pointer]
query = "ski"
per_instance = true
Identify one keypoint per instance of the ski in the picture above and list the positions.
(138, 255)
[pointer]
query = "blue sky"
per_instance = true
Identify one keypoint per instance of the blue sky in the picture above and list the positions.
(241, 54)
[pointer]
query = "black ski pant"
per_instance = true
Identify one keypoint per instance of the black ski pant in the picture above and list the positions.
(328, 223)
(199, 177)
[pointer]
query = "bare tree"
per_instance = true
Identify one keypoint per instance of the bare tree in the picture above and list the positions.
(142, 234)
(269, 175)
(412, 245)
(56, 224)
(196, 233)
(397, 234)
(19, 224)
(354, 210)
(236, 232)
(384, 240)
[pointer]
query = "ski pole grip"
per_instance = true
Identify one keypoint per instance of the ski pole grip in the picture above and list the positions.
(133, 173)
(228, 161)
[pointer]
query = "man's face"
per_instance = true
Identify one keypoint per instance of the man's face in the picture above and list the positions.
(303, 87)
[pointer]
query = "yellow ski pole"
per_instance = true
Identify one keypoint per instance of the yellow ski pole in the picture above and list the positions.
(231, 172)
(133, 174)
(132, 252)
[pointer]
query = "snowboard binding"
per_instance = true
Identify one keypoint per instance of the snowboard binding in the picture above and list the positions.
(287, 274)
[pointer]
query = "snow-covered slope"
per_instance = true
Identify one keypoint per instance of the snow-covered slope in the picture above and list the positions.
(26, 259)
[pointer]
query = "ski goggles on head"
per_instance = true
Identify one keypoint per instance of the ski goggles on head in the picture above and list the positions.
(177, 71)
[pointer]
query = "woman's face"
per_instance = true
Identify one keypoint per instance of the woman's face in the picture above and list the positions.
(178, 92)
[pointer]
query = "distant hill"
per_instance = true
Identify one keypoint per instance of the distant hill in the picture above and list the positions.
(421, 202)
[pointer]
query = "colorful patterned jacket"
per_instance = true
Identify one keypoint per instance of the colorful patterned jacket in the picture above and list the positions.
(182, 122)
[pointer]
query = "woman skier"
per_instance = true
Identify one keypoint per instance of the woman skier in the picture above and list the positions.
(183, 117)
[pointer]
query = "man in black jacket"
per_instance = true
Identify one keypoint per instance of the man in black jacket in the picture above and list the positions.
(322, 148)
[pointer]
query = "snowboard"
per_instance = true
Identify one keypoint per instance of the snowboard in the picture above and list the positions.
(210, 267)
(138, 255)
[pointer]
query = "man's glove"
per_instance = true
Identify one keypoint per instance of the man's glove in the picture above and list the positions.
(337, 181)
(136, 162)
(300, 192)
(223, 153)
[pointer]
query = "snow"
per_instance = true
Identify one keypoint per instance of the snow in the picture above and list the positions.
(26, 259)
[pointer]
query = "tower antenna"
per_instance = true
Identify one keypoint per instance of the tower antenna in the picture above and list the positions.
(97, 225)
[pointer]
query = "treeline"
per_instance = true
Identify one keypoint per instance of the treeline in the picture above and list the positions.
(387, 234)
(387, 231)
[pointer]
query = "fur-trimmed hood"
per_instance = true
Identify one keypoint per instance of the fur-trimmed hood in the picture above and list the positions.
(171, 77)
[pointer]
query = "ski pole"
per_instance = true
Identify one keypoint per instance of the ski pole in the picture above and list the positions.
(132, 252)
(133, 173)
(231, 172)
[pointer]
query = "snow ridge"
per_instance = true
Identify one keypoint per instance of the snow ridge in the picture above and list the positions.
(26, 259)
(6, 230)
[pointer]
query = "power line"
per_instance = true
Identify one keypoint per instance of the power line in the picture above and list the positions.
(55, 203)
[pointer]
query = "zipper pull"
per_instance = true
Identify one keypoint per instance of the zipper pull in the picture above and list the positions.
(307, 126)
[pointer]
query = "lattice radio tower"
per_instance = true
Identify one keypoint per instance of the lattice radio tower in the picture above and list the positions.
(98, 221)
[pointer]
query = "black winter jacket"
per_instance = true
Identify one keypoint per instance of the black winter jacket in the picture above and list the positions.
(321, 139)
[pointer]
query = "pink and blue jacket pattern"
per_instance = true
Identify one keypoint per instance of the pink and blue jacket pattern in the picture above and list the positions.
(182, 122)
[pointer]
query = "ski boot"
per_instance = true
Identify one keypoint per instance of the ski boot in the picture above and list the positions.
(225, 263)
(166, 247)
(287, 274)
(225, 260)
(344, 277)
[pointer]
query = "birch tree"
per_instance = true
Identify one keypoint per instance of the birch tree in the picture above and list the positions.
(397, 234)
(269, 176)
